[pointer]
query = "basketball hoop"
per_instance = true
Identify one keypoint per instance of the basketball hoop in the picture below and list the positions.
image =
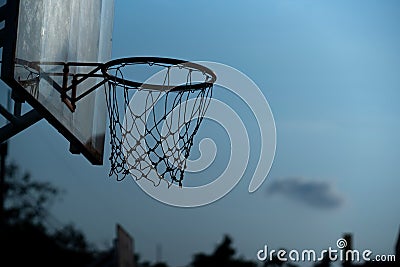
(51, 62)
(155, 141)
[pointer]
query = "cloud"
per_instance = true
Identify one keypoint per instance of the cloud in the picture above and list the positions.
(317, 194)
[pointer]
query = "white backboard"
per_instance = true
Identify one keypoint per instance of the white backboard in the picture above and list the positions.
(67, 31)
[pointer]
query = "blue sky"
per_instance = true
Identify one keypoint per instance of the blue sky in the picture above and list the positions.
(330, 71)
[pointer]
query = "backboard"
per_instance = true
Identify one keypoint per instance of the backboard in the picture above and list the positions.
(124, 248)
(61, 31)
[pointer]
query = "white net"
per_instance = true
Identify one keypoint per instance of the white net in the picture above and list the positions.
(154, 138)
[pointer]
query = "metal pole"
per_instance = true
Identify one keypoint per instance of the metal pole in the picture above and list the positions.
(3, 155)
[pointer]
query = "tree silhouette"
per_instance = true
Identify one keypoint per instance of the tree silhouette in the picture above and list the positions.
(25, 241)
(274, 262)
(139, 263)
(325, 262)
(71, 238)
(223, 256)
(26, 200)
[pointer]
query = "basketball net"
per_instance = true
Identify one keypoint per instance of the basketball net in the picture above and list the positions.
(151, 136)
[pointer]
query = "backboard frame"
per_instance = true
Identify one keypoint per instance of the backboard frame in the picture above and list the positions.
(9, 13)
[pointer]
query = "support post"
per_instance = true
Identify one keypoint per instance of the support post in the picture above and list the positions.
(3, 155)
(2, 18)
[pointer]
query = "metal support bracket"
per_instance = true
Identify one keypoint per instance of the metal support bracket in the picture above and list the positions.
(17, 123)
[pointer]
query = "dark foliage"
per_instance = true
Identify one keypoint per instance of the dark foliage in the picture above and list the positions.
(25, 241)
(222, 256)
